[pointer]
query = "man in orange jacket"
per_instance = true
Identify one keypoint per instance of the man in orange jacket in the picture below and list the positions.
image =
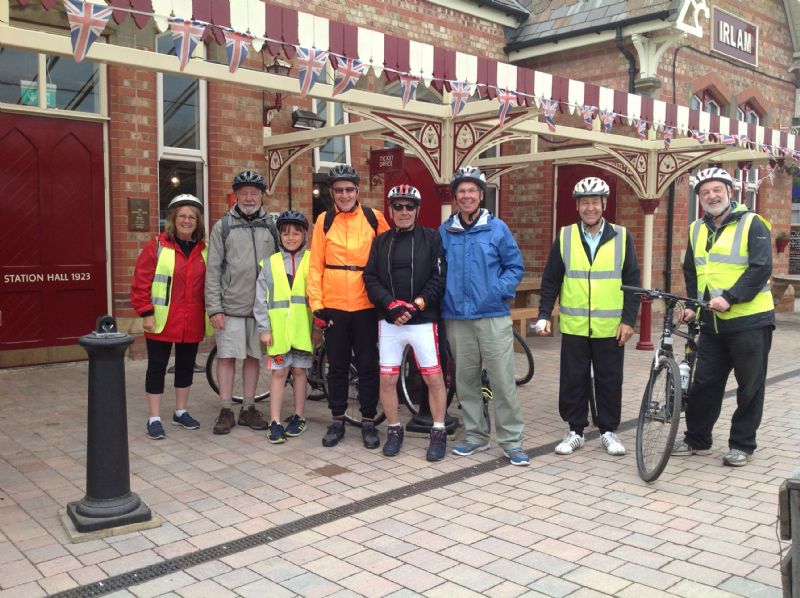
(337, 296)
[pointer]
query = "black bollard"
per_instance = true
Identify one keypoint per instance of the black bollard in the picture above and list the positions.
(109, 501)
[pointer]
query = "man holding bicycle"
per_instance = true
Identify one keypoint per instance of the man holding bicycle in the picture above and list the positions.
(339, 250)
(728, 263)
(588, 263)
(405, 278)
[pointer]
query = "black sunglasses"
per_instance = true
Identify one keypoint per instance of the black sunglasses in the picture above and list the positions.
(408, 207)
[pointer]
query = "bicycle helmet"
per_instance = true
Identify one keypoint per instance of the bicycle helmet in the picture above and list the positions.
(185, 200)
(343, 172)
(712, 174)
(291, 217)
(405, 192)
(589, 187)
(468, 173)
(248, 177)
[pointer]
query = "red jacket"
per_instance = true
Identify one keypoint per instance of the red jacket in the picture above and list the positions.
(186, 319)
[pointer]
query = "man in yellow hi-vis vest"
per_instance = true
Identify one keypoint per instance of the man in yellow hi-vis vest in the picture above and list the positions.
(728, 263)
(588, 263)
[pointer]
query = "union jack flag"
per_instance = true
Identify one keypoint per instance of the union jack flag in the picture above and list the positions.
(237, 45)
(607, 117)
(310, 63)
(641, 127)
(348, 73)
(668, 132)
(727, 139)
(506, 97)
(587, 112)
(86, 23)
(408, 83)
(460, 92)
(550, 108)
(187, 35)
(699, 135)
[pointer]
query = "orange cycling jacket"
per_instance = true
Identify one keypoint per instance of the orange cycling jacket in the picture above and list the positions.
(347, 243)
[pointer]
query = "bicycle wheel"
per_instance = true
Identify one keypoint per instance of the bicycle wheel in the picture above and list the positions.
(262, 388)
(523, 362)
(352, 414)
(412, 388)
(659, 417)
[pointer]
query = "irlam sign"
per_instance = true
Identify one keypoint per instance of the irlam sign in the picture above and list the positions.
(734, 37)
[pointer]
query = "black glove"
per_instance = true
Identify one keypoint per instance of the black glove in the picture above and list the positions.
(395, 309)
(322, 318)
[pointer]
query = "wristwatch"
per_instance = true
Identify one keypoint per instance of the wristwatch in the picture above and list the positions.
(420, 303)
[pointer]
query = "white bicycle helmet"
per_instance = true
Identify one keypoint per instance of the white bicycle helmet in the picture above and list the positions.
(405, 192)
(712, 174)
(468, 173)
(185, 199)
(591, 186)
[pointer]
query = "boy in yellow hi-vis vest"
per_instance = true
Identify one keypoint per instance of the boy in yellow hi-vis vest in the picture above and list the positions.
(285, 322)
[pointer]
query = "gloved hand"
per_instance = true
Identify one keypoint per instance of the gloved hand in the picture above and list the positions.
(396, 309)
(322, 318)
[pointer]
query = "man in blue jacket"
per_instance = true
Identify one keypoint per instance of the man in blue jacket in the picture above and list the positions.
(484, 269)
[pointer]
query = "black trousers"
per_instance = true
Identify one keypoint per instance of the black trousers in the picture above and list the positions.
(578, 354)
(157, 360)
(746, 353)
(353, 334)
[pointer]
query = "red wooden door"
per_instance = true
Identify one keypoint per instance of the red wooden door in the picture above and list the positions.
(414, 173)
(567, 177)
(53, 261)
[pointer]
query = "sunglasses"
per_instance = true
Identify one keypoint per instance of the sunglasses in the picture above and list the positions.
(399, 207)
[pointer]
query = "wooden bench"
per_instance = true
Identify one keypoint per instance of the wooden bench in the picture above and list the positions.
(524, 315)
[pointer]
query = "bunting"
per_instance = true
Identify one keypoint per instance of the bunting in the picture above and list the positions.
(348, 72)
(506, 97)
(641, 127)
(587, 113)
(237, 45)
(607, 117)
(310, 63)
(460, 91)
(408, 83)
(668, 132)
(700, 136)
(726, 139)
(187, 34)
(86, 23)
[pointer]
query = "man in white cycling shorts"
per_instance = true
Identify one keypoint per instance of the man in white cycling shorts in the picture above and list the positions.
(405, 277)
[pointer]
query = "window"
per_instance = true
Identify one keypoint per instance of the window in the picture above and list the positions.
(337, 149)
(747, 187)
(747, 113)
(705, 102)
(181, 133)
(492, 195)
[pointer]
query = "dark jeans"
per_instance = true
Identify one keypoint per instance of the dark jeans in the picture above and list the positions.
(746, 353)
(578, 353)
(157, 360)
(352, 334)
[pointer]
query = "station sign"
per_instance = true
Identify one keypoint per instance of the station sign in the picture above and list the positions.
(734, 37)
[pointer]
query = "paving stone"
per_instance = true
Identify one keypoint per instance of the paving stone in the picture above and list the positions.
(694, 589)
(163, 585)
(412, 578)
(469, 556)
(513, 571)
(449, 589)
(553, 586)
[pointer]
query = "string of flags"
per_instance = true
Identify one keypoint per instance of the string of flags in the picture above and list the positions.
(87, 22)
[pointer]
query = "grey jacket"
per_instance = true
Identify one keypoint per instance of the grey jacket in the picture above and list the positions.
(265, 287)
(232, 267)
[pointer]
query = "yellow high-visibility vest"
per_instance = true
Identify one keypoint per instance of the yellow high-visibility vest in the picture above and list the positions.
(289, 317)
(591, 298)
(719, 268)
(161, 287)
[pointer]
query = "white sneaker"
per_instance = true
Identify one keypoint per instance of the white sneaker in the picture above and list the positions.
(571, 442)
(612, 444)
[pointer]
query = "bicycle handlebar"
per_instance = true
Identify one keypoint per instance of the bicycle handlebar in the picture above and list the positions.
(659, 294)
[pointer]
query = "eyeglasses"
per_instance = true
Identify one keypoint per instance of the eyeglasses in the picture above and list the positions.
(344, 190)
(186, 217)
(408, 207)
(248, 194)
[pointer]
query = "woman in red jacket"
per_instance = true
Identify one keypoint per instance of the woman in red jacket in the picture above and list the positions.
(167, 292)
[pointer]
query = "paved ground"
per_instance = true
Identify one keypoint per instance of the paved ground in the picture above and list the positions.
(245, 518)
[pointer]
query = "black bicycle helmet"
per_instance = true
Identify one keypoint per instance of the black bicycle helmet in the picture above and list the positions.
(712, 174)
(185, 199)
(343, 172)
(589, 187)
(468, 173)
(249, 177)
(405, 192)
(291, 217)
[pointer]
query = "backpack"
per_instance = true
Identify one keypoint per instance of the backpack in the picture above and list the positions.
(368, 214)
(227, 226)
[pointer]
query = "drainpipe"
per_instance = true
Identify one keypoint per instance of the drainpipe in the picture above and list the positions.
(631, 61)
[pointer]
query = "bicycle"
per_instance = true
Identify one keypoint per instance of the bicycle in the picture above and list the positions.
(668, 385)
(262, 386)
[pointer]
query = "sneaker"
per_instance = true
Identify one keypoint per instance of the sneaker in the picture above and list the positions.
(612, 444)
(276, 434)
(570, 443)
(295, 426)
(334, 433)
(517, 456)
(185, 420)
(438, 445)
(369, 434)
(736, 458)
(225, 421)
(465, 447)
(682, 449)
(394, 440)
(252, 418)
(155, 431)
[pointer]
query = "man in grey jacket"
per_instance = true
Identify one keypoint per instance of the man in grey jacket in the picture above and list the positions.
(239, 241)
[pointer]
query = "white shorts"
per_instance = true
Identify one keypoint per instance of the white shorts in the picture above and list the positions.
(293, 359)
(423, 338)
(239, 338)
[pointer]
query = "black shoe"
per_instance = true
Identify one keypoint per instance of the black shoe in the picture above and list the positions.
(394, 440)
(369, 435)
(438, 445)
(334, 433)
